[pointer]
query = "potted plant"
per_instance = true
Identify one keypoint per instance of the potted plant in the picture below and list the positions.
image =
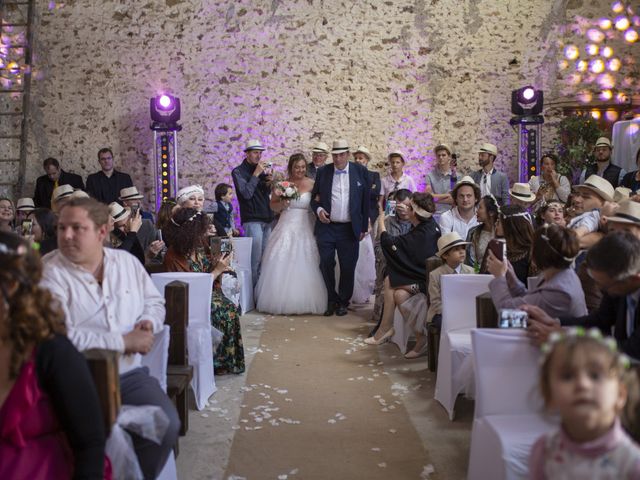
(577, 136)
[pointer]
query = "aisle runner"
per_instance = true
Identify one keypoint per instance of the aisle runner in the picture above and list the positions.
(317, 405)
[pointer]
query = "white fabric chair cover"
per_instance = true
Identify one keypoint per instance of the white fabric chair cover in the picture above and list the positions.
(459, 294)
(508, 411)
(415, 308)
(402, 332)
(156, 360)
(169, 471)
(242, 266)
(199, 330)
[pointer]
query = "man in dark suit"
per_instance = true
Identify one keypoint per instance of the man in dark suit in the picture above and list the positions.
(614, 263)
(319, 155)
(340, 199)
(106, 184)
(363, 157)
(54, 177)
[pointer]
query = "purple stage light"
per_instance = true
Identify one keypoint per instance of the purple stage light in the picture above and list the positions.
(528, 93)
(165, 109)
(164, 101)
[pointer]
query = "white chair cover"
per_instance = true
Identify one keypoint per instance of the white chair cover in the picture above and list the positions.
(199, 340)
(508, 411)
(459, 294)
(156, 360)
(242, 266)
(169, 471)
(415, 308)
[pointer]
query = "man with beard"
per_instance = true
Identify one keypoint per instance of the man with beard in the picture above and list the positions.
(490, 180)
(603, 166)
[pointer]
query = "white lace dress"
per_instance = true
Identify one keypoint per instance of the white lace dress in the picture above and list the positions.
(290, 279)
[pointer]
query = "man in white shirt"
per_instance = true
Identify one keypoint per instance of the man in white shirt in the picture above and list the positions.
(111, 303)
(396, 179)
(490, 180)
(462, 217)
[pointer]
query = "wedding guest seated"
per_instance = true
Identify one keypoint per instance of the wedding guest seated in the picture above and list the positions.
(164, 213)
(110, 302)
(191, 197)
(130, 197)
(43, 229)
(452, 250)
(125, 228)
(147, 234)
(187, 234)
(395, 225)
(462, 217)
(480, 235)
(626, 218)
(24, 206)
(621, 193)
(514, 226)
(396, 179)
(224, 214)
(595, 193)
(521, 195)
(550, 185)
(55, 176)
(50, 419)
(106, 184)
(442, 179)
(582, 379)
(61, 195)
(551, 213)
(614, 263)
(557, 291)
(406, 256)
(632, 179)
(574, 206)
(7, 215)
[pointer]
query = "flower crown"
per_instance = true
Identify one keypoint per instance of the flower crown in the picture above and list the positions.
(190, 219)
(581, 332)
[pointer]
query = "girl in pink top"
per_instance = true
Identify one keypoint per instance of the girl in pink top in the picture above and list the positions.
(581, 379)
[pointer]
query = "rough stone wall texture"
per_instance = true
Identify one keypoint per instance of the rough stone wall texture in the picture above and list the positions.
(387, 74)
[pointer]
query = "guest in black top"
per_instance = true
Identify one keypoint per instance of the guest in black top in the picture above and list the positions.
(223, 216)
(106, 184)
(515, 226)
(54, 178)
(51, 398)
(406, 256)
(631, 180)
(363, 156)
(43, 229)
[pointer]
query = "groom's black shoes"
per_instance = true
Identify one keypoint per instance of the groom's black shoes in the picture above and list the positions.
(331, 309)
(341, 311)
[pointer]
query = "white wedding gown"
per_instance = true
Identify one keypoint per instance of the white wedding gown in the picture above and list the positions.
(290, 280)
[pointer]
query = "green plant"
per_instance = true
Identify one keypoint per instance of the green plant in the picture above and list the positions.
(577, 136)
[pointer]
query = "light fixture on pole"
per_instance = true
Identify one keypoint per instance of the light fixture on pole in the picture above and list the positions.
(165, 114)
(526, 105)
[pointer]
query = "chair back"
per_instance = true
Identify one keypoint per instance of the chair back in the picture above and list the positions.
(486, 313)
(200, 291)
(506, 373)
(158, 358)
(459, 294)
(241, 252)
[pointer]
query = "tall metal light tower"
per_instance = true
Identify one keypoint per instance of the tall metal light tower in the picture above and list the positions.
(526, 105)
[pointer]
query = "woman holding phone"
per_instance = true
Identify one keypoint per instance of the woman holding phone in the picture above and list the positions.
(189, 251)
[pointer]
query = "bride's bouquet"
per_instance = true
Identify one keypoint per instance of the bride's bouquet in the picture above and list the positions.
(286, 190)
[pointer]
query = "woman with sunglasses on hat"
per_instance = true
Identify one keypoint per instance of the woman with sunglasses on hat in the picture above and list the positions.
(50, 418)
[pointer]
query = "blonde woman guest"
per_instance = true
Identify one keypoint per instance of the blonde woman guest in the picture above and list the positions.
(550, 185)
(7, 215)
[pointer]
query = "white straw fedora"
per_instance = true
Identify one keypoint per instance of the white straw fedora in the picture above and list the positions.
(25, 205)
(253, 144)
(61, 191)
(362, 149)
(118, 212)
(449, 240)
(599, 186)
(522, 191)
(488, 148)
(340, 146)
(396, 153)
(621, 193)
(130, 193)
(320, 147)
(628, 212)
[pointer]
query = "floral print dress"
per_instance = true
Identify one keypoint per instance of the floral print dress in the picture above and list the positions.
(229, 357)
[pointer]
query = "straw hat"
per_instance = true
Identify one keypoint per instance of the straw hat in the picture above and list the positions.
(449, 240)
(340, 146)
(61, 191)
(118, 212)
(25, 205)
(442, 146)
(599, 186)
(253, 144)
(621, 193)
(320, 147)
(130, 193)
(603, 142)
(364, 150)
(628, 212)
(396, 153)
(488, 148)
(522, 191)
(79, 194)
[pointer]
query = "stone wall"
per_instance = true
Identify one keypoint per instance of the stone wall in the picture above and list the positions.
(387, 74)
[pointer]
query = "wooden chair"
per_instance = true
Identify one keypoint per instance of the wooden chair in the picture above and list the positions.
(433, 332)
(103, 365)
(154, 268)
(486, 313)
(179, 372)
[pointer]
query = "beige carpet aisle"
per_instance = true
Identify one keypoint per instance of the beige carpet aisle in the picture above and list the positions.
(318, 405)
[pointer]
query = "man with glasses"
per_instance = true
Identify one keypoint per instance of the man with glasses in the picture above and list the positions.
(614, 264)
(54, 177)
(106, 184)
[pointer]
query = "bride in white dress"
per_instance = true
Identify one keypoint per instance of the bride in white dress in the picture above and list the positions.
(290, 280)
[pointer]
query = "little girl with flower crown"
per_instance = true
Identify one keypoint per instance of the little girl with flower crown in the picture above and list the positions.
(581, 379)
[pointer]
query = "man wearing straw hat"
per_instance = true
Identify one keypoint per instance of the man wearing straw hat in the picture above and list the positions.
(319, 155)
(442, 179)
(603, 166)
(490, 180)
(252, 181)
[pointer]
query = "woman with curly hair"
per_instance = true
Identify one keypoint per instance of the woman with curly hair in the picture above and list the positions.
(188, 234)
(50, 418)
(514, 225)
(480, 235)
